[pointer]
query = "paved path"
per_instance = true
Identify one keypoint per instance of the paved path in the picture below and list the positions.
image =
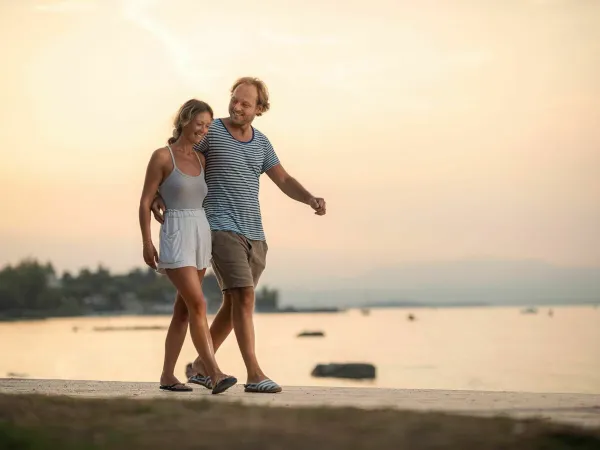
(580, 409)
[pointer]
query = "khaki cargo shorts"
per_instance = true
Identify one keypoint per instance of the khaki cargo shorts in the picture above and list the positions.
(237, 261)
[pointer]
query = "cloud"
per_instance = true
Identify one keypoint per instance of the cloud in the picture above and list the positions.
(420, 68)
(545, 2)
(67, 6)
(298, 39)
(468, 59)
(136, 12)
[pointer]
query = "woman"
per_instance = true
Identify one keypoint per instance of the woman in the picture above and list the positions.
(177, 172)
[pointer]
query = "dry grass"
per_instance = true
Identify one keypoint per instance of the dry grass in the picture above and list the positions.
(36, 422)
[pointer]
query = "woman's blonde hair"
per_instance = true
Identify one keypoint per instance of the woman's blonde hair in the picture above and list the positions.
(186, 114)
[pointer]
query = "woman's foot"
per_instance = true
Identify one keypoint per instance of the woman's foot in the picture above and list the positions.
(218, 377)
(223, 382)
(171, 383)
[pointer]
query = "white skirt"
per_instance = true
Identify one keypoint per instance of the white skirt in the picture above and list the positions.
(185, 240)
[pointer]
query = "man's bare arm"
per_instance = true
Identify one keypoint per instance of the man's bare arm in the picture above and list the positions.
(293, 189)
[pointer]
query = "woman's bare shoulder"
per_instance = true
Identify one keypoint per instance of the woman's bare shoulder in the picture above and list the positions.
(162, 152)
(160, 156)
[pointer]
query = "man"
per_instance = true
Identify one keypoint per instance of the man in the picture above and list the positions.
(236, 155)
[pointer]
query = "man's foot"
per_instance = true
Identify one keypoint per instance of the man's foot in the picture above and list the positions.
(189, 370)
(266, 386)
(255, 377)
(197, 378)
(259, 382)
(194, 368)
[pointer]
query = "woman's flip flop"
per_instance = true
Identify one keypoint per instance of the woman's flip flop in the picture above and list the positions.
(176, 387)
(224, 384)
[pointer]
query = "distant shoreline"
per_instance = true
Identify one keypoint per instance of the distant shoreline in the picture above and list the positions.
(33, 316)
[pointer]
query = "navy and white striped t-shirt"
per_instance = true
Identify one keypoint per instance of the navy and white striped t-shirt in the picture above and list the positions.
(232, 175)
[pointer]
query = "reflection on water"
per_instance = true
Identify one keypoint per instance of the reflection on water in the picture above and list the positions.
(478, 349)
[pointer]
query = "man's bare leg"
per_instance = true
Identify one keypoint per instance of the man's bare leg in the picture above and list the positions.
(242, 302)
(237, 311)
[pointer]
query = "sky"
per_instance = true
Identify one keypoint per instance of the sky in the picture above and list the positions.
(435, 130)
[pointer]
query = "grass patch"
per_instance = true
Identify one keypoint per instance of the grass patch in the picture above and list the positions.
(35, 422)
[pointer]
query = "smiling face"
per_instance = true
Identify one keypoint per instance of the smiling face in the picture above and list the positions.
(196, 129)
(243, 106)
(192, 121)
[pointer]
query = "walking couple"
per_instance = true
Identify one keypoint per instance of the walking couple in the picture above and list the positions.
(207, 179)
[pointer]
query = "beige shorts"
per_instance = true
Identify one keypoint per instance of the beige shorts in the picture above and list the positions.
(237, 261)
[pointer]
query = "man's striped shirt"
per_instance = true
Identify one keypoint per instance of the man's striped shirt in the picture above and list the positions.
(232, 175)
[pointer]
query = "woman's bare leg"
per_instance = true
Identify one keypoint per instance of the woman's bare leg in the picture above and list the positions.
(174, 341)
(187, 280)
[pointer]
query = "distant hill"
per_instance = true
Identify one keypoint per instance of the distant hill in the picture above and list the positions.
(494, 282)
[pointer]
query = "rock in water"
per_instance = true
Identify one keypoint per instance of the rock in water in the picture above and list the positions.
(16, 375)
(357, 371)
(311, 334)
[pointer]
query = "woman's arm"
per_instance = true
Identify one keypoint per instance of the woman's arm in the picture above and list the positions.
(154, 176)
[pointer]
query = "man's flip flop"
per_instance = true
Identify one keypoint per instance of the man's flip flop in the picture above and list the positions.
(263, 387)
(224, 384)
(201, 380)
(176, 387)
(197, 378)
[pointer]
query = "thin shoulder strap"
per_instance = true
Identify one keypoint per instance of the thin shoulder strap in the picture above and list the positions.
(199, 160)
(172, 156)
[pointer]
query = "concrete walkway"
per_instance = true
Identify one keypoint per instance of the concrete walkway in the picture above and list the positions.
(579, 409)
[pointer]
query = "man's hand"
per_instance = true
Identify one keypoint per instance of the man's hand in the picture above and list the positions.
(150, 255)
(158, 208)
(318, 204)
(293, 189)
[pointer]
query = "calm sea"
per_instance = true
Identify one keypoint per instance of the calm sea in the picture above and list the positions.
(461, 348)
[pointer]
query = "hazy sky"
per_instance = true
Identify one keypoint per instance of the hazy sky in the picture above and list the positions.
(436, 130)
